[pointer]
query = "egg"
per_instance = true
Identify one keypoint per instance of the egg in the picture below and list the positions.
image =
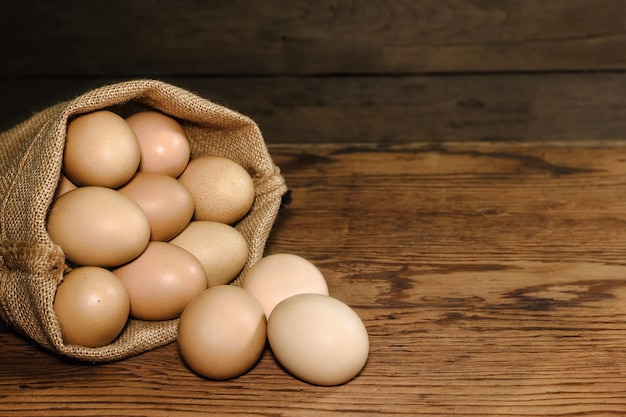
(222, 190)
(92, 306)
(281, 275)
(167, 203)
(222, 332)
(161, 281)
(222, 249)
(165, 148)
(319, 339)
(100, 149)
(98, 226)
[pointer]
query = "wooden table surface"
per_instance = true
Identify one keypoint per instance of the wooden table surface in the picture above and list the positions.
(491, 278)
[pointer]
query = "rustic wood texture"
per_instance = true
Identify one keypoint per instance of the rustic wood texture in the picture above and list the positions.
(309, 36)
(490, 276)
(480, 107)
(339, 71)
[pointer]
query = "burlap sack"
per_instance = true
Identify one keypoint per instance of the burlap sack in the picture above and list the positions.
(32, 266)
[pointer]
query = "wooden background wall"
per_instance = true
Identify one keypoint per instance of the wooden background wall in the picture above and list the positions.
(384, 71)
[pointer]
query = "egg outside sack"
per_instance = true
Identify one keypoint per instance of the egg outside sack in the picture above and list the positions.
(34, 266)
(284, 300)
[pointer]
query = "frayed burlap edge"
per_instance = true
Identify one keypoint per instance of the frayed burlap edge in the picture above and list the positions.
(32, 266)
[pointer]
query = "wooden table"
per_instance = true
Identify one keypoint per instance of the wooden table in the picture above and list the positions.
(491, 278)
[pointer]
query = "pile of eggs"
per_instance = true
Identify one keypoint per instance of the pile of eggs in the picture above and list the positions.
(133, 208)
(149, 234)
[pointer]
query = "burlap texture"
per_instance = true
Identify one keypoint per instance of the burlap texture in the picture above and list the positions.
(32, 266)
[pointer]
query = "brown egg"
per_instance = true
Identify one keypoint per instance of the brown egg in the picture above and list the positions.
(92, 306)
(222, 332)
(281, 275)
(164, 144)
(166, 202)
(98, 226)
(222, 249)
(222, 190)
(100, 149)
(161, 281)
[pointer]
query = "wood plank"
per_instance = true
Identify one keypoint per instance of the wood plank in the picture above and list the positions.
(505, 107)
(490, 277)
(142, 38)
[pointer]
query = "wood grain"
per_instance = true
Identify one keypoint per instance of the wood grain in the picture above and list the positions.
(339, 71)
(309, 37)
(433, 108)
(490, 276)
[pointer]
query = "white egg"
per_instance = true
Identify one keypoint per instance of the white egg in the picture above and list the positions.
(318, 339)
(281, 275)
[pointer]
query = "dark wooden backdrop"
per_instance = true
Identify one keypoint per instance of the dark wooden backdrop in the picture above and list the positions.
(377, 71)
